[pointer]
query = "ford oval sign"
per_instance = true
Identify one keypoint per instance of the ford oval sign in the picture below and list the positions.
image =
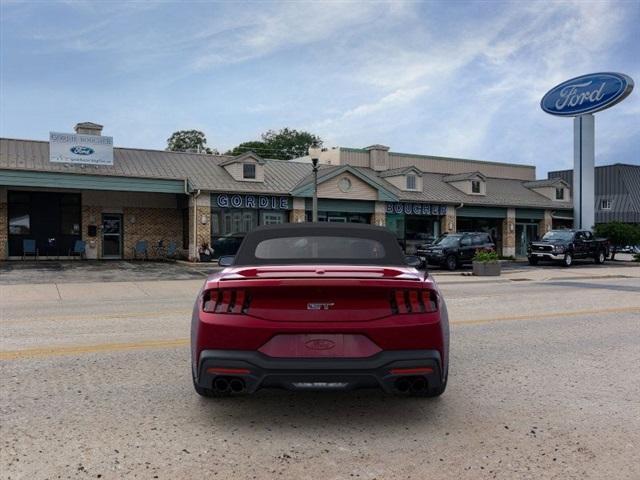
(587, 94)
(79, 150)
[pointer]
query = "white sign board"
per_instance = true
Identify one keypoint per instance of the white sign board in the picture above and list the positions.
(80, 149)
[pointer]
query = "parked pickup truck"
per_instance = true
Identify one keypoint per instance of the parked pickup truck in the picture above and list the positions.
(565, 246)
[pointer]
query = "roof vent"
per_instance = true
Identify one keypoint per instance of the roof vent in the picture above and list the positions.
(88, 128)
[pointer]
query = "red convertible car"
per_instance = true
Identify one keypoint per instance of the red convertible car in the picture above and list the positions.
(319, 307)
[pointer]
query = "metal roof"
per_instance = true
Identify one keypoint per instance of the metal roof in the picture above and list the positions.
(463, 176)
(205, 172)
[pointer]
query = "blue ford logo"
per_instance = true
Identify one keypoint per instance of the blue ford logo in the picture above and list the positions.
(587, 94)
(79, 150)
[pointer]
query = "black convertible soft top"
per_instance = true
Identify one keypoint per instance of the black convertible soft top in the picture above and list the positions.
(320, 243)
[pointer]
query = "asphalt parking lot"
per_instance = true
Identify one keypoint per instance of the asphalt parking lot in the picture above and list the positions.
(95, 384)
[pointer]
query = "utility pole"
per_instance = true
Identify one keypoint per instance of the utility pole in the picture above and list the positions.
(314, 153)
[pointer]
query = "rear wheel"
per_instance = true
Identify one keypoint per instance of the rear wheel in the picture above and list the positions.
(533, 261)
(568, 260)
(600, 257)
(451, 263)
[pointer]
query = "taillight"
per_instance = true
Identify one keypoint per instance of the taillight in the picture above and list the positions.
(414, 301)
(226, 301)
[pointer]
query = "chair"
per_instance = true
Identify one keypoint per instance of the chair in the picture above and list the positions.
(79, 248)
(141, 248)
(29, 248)
(172, 248)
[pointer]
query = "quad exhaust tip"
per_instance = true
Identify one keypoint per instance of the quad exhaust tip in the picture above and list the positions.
(411, 385)
(228, 385)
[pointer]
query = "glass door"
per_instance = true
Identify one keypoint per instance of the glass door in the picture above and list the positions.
(525, 233)
(112, 235)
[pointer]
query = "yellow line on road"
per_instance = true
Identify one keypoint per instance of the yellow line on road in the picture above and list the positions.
(104, 347)
(109, 316)
(540, 316)
(180, 342)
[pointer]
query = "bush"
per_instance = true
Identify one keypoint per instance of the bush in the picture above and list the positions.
(482, 256)
(619, 234)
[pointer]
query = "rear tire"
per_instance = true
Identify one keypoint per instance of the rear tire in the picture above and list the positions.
(568, 260)
(451, 263)
(533, 261)
(600, 257)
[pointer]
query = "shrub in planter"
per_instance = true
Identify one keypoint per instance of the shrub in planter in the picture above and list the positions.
(486, 264)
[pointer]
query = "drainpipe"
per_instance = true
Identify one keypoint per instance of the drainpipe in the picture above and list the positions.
(195, 196)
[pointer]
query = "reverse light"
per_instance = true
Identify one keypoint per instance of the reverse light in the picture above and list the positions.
(228, 300)
(414, 301)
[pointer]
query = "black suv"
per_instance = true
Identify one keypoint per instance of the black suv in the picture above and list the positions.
(455, 249)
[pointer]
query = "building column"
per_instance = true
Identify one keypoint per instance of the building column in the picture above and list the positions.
(4, 227)
(92, 217)
(509, 234)
(379, 216)
(202, 223)
(298, 214)
(545, 224)
(448, 222)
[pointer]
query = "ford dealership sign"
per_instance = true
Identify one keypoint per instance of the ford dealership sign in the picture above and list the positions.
(587, 94)
(80, 149)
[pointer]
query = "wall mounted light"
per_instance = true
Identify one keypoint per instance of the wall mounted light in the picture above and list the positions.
(203, 220)
(132, 219)
(450, 225)
(511, 227)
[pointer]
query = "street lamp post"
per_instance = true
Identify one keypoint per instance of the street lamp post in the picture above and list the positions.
(314, 153)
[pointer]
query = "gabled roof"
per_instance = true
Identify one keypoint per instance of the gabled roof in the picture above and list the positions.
(547, 182)
(305, 187)
(463, 176)
(394, 172)
(249, 155)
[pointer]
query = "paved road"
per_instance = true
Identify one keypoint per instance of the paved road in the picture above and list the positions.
(544, 384)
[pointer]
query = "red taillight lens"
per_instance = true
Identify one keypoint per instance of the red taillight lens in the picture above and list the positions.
(226, 301)
(414, 301)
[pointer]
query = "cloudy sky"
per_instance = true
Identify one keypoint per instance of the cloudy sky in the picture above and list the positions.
(460, 79)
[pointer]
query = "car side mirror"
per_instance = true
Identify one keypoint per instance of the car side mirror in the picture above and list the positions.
(226, 260)
(413, 261)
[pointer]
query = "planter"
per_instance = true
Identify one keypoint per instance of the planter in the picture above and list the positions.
(486, 269)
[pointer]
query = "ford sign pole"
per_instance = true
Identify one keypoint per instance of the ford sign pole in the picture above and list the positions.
(580, 97)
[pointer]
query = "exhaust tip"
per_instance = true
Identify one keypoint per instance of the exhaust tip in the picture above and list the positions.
(236, 385)
(403, 385)
(221, 384)
(419, 385)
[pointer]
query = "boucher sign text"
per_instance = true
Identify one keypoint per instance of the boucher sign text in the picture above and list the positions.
(80, 149)
(416, 208)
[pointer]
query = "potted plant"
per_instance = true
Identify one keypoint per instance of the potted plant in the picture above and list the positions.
(486, 264)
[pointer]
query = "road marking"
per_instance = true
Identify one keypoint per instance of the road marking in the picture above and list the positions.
(181, 342)
(104, 347)
(112, 316)
(540, 316)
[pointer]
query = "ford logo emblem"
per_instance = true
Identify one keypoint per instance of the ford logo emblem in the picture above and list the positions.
(587, 94)
(320, 344)
(79, 150)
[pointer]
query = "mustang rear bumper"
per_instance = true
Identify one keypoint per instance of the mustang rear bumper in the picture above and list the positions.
(261, 371)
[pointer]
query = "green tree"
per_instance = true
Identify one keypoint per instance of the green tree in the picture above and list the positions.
(619, 234)
(283, 144)
(188, 141)
(257, 147)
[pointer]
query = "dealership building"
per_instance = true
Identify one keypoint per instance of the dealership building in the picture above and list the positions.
(126, 195)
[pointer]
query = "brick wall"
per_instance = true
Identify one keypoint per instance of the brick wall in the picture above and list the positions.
(152, 225)
(509, 233)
